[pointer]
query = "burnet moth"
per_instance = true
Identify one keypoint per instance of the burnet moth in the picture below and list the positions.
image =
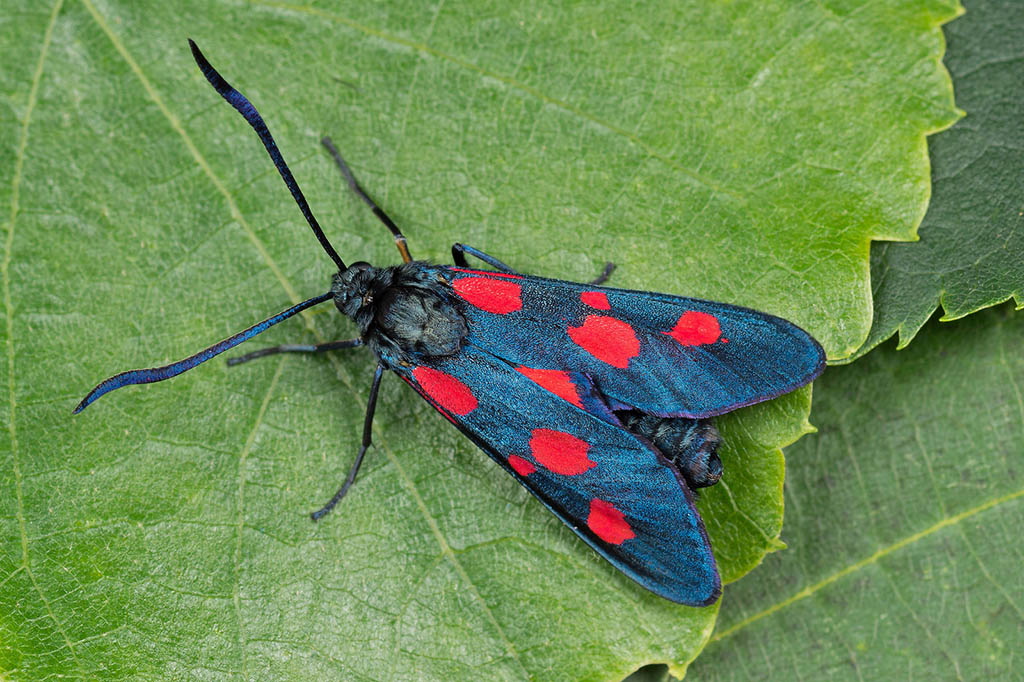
(597, 400)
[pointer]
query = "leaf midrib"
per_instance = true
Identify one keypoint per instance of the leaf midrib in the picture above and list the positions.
(12, 428)
(880, 554)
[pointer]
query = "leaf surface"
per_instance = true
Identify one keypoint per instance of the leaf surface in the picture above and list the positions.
(744, 152)
(902, 523)
(971, 253)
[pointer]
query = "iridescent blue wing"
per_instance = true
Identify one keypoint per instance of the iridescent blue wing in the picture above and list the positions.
(553, 432)
(661, 354)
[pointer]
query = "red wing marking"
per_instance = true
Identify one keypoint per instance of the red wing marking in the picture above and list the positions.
(695, 329)
(596, 299)
(608, 523)
(560, 452)
(445, 390)
(490, 295)
(554, 380)
(521, 466)
(428, 399)
(486, 273)
(607, 339)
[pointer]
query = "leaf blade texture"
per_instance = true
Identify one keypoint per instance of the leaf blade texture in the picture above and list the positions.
(902, 556)
(701, 148)
(972, 238)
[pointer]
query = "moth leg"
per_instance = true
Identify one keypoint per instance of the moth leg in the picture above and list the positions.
(371, 406)
(459, 252)
(609, 267)
(295, 348)
(403, 248)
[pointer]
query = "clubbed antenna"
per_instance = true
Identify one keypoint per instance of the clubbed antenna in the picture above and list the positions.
(248, 111)
(148, 376)
(403, 248)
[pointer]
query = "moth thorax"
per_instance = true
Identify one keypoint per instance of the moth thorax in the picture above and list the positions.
(419, 321)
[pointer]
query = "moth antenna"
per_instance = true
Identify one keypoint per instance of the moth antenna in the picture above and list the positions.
(350, 178)
(249, 113)
(153, 374)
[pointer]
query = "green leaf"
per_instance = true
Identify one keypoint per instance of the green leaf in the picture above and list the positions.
(903, 519)
(730, 151)
(972, 238)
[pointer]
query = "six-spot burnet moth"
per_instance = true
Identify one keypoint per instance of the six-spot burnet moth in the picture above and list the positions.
(597, 400)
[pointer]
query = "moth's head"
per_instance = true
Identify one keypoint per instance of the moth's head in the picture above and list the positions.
(353, 287)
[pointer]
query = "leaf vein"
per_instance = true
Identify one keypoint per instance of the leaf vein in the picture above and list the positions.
(693, 175)
(811, 590)
(240, 525)
(12, 429)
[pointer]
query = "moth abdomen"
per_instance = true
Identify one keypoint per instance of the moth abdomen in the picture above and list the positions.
(690, 445)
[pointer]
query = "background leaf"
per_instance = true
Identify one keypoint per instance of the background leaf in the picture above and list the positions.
(902, 523)
(971, 253)
(744, 152)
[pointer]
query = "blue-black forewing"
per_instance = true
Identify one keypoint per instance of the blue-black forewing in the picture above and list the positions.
(661, 354)
(564, 445)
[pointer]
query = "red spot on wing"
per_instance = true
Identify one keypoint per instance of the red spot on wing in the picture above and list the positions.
(494, 296)
(427, 398)
(608, 523)
(486, 273)
(695, 328)
(607, 339)
(560, 452)
(445, 390)
(596, 299)
(521, 466)
(554, 380)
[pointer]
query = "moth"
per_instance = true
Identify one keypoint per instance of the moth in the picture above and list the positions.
(599, 401)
